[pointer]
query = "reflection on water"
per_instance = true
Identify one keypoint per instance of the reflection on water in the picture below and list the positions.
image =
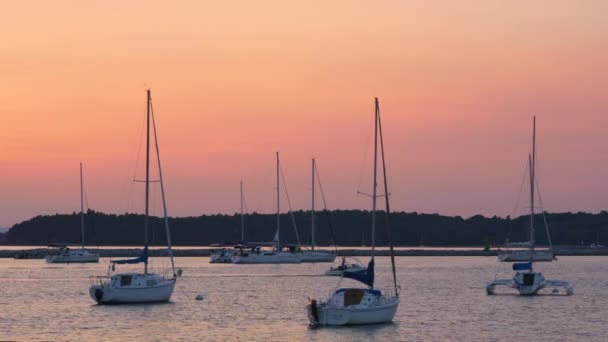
(442, 298)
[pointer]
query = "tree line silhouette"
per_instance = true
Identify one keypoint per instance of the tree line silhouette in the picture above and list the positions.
(345, 227)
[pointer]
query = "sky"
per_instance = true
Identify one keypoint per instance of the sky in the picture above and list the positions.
(235, 81)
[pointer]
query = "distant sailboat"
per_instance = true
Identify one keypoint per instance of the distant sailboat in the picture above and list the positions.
(276, 256)
(347, 306)
(312, 255)
(224, 255)
(526, 281)
(67, 255)
(143, 287)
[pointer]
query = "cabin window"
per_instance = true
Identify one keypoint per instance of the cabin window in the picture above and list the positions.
(151, 282)
(353, 297)
(125, 280)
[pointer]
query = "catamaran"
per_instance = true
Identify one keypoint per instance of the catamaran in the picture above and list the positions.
(312, 255)
(356, 305)
(134, 287)
(526, 281)
(67, 255)
(275, 256)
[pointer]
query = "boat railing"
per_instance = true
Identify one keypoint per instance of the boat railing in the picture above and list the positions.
(98, 280)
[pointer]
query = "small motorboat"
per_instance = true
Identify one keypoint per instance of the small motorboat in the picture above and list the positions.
(344, 267)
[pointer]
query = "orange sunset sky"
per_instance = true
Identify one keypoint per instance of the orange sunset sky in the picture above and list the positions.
(234, 81)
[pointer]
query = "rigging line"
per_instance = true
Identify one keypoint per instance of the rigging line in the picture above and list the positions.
(388, 209)
(135, 156)
(293, 220)
(521, 187)
(365, 155)
(88, 217)
(331, 228)
(514, 211)
(162, 191)
(542, 207)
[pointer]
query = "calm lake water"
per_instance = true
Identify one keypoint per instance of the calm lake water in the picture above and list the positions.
(442, 298)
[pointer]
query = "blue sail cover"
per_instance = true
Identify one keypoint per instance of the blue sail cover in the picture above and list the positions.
(142, 258)
(525, 266)
(364, 276)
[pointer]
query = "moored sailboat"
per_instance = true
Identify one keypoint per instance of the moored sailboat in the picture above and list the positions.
(135, 287)
(527, 281)
(277, 255)
(315, 255)
(67, 255)
(224, 255)
(350, 306)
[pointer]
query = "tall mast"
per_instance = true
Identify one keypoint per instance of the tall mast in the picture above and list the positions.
(81, 208)
(374, 195)
(532, 161)
(278, 208)
(147, 173)
(312, 211)
(162, 190)
(242, 217)
(388, 208)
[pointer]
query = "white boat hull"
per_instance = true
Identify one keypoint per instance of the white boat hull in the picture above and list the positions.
(149, 288)
(266, 258)
(72, 258)
(350, 316)
(314, 256)
(373, 310)
(524, 256)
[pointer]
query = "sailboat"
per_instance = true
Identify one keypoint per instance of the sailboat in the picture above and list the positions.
(146, 287)
(526, 281)
(67, 255)
(312, 255)
(358, 305)
(224, 255)
(256, 255)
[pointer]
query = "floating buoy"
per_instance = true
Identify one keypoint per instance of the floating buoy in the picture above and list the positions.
(199, 297)
(179, 272)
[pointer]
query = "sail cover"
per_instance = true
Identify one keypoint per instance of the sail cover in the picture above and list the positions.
(522, 266)
(364, 276)
(142, 258)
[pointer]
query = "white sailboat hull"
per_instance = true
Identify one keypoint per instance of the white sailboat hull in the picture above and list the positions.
(314, 256)
(144, 288)
(524, 256)
(266, 258)
(373, 309)
(72, 257)
(350, 316)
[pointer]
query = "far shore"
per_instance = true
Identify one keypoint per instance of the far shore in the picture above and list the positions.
(39, 252)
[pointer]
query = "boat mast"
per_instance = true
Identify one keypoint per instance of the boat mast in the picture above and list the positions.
(312, 211)
(532, 161)
(162, 191)
(242, 217)
(374, 195)
(388, 208)
(278, 208)
(147, 173)
(81, 208)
